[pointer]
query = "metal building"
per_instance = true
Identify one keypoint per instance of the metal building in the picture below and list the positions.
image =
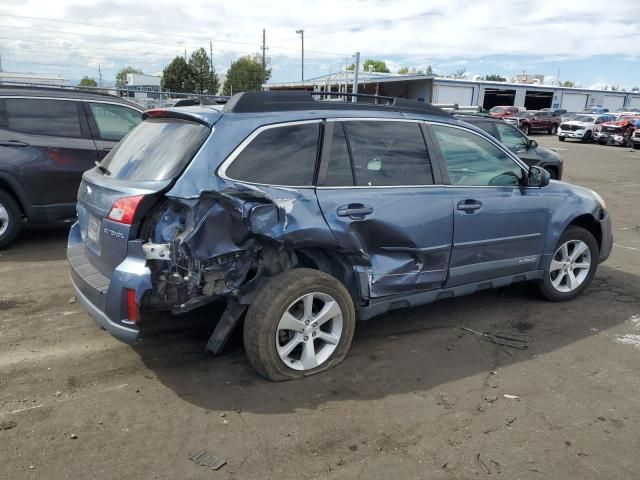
(469, 92)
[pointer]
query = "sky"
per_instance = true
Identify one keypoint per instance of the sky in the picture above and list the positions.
(592, 43)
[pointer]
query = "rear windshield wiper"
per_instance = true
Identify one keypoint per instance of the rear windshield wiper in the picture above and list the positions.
(102, 168)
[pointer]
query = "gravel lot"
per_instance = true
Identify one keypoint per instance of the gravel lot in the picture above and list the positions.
(416, 398)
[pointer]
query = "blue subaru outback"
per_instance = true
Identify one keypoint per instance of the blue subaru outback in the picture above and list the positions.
(303, 215)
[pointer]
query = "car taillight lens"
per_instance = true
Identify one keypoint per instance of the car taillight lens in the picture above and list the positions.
(124, 209)
(133, 314)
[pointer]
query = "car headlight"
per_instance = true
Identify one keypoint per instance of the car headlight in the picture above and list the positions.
(600, 200)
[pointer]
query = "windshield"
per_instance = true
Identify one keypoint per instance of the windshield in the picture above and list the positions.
(157, 149)
(497, 110)
(584, 118)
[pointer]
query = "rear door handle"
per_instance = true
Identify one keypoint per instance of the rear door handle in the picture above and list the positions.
(13, 143)
(355, 211)
(469, 205)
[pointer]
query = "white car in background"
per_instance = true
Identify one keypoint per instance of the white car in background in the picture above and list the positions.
(581, 126)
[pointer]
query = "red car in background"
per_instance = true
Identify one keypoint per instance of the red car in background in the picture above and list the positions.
(618, 132)
(530, 121)
(504, 111)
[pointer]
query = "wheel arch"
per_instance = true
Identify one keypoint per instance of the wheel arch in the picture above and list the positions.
(10, 185)
(589, 223)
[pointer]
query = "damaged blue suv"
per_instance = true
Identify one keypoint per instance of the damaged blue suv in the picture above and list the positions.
(303, 215)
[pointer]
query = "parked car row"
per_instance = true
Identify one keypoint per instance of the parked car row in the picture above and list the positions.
(608, 128)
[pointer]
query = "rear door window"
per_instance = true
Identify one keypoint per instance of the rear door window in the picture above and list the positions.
(282, 155)
(381, 153)
(58, 118)
(158, 149)
(114, 121)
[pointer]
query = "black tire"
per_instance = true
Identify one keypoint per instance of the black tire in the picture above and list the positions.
(271, 302)
(546, 286)
(553, 130)
(562, 139)
(13, 222)
(587, 137)
(636, 146)
(526, 130)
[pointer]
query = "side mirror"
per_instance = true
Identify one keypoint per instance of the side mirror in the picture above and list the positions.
(532, 144)
(538, 177)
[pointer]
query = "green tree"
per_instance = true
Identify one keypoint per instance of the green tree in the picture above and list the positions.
(203, 77)
(177, 76)
(494, 77)
(87, 82)
(635, 89)
(369, 65)
(459, 73)
(245, 74)
(568, 83)
(430, 71)
(403, 71)
(121, 76)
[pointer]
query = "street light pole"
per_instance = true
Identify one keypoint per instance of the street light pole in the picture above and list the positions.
(301, 33)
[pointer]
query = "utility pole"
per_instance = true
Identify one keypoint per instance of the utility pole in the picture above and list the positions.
(356, 68)
(264, 56)
(211, 62)
(301, 33)
(185, 54)
(0, 62)
(99, 76)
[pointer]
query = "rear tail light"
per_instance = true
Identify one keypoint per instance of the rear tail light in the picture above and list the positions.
(133, 313)
(124, 209)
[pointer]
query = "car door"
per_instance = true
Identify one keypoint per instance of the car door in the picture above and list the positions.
(517, 142)
(109, 123)
(378, 192)
(49, 147)
(499, 225)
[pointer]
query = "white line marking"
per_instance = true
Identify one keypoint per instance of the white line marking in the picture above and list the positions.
(628, 248)
(25, 409)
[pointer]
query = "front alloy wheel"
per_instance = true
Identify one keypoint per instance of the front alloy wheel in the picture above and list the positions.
(570, 266)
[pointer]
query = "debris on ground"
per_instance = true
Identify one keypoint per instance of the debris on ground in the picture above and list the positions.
(510, 341)
(205, 459)
(511, 397)
(73, 436)
(7, 425)
(72, 300)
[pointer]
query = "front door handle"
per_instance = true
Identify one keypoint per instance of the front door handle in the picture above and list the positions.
(469, 205)
(355, 211)
(13, 143)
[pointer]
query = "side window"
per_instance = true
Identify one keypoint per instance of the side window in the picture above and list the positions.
(511, 137)
(474, 161)
(113, 121)
(283, 155)
(43, 117)
(487, 127)
(388, 153)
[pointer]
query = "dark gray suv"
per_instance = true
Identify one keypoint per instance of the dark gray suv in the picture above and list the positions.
(304, 215)
(48, 138)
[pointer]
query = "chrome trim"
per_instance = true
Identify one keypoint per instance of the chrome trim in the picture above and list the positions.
(222, 169)
(489, 241)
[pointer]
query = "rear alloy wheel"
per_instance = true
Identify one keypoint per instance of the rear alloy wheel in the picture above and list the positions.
(300, 323)
(554, 129)
(572, 266)
(10, 219)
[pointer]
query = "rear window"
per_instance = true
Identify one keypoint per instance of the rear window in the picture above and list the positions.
(157, 149)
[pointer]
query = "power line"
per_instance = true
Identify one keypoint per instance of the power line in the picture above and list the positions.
(164, 34)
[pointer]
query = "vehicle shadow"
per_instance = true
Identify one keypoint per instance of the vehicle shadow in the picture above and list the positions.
(412, 350)
(38, 243)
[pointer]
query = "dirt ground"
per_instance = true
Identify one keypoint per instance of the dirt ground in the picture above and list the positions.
(417, 397)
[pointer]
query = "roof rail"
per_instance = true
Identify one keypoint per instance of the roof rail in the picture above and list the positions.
(279, 101)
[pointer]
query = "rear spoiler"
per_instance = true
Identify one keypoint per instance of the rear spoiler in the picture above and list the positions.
(206, 117)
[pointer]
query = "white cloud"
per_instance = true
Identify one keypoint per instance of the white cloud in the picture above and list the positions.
(409, 33)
